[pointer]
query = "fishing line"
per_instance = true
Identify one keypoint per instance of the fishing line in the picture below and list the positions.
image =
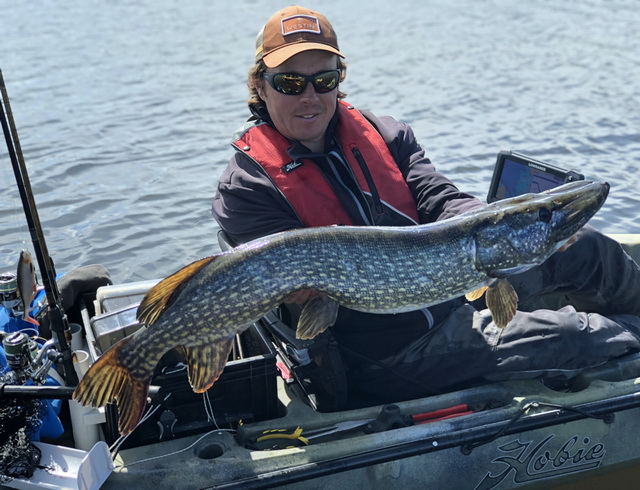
(467, 448)
(20, 224)
(35, 335)
(115, 447)
(13, 222)
(208, 408)
(178, 451)
(121, 440)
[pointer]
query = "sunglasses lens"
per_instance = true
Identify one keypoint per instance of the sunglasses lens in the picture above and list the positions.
(294, 84)
(289, 84)
(326, 82)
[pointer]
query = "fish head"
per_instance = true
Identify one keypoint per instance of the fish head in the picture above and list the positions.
(515, 234)
(25, 257)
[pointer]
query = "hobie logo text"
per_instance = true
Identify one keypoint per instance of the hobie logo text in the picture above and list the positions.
(527, 462)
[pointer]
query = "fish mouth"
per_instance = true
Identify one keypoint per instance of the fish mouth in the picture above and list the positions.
(576, 203)
(581, 188)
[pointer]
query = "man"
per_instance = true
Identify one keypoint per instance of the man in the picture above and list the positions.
(306, 158)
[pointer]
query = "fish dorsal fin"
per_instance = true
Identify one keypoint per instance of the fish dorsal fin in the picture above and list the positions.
(477, 294)
(160, 296)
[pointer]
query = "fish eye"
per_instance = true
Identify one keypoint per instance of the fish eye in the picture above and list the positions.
(544, 215)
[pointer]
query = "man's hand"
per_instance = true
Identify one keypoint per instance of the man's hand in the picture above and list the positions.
(570, 242)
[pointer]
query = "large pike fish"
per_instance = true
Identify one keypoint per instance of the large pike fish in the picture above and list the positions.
(201, 307)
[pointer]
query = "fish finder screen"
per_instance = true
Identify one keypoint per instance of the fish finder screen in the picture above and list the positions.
(519, 178)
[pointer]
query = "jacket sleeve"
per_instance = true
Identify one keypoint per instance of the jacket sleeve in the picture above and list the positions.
(436, 196)
(247, 205)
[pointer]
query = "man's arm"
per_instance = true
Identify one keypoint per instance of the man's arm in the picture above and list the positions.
(436, 196)
(248, 206)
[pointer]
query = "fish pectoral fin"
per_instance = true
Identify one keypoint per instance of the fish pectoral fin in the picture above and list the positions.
(477, 294)
(206, 363)
(318, 314)
(109, 380)
(502, 301)
(160, 296)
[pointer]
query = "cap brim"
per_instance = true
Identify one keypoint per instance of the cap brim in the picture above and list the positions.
(279, 56)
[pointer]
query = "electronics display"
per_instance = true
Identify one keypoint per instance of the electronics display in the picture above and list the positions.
(516, 174)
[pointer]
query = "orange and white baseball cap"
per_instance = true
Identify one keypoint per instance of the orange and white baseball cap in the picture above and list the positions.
(293, 30)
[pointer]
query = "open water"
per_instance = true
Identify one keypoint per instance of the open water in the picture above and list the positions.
(125, 108)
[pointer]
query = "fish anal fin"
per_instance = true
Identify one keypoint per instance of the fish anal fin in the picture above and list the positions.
(108, 381)
(206, 363)
(318, 314)
(477, 294)
(160, 296)
(502, 301)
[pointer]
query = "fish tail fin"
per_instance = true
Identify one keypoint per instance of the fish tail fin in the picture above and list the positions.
(30, 319)
(109, 380)
(206, 363)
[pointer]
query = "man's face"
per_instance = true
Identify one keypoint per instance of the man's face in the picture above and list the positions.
(303, 117)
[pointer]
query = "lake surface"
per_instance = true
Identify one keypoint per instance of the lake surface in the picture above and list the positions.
(125, 109)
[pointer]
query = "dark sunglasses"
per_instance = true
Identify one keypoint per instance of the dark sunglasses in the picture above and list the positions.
(295, 84)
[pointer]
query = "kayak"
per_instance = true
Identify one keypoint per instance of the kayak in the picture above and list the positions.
(261, 426)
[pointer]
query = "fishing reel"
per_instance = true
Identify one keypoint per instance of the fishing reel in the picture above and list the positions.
(9, 297)
(27, 360)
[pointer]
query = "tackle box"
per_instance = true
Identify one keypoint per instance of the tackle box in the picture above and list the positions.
(245, 392)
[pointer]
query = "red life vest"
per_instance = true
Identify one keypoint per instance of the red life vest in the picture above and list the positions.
(306, 188)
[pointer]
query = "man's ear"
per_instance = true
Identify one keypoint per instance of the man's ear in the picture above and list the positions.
(258, 84)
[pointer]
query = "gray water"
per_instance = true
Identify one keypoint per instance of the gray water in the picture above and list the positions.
(125, 108)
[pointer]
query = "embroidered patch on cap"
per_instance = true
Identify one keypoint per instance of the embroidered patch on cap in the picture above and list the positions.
(300, 23)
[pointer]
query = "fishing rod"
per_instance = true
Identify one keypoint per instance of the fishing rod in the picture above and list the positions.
(58, 322)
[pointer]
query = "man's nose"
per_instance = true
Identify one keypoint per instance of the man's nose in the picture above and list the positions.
(309, 92)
